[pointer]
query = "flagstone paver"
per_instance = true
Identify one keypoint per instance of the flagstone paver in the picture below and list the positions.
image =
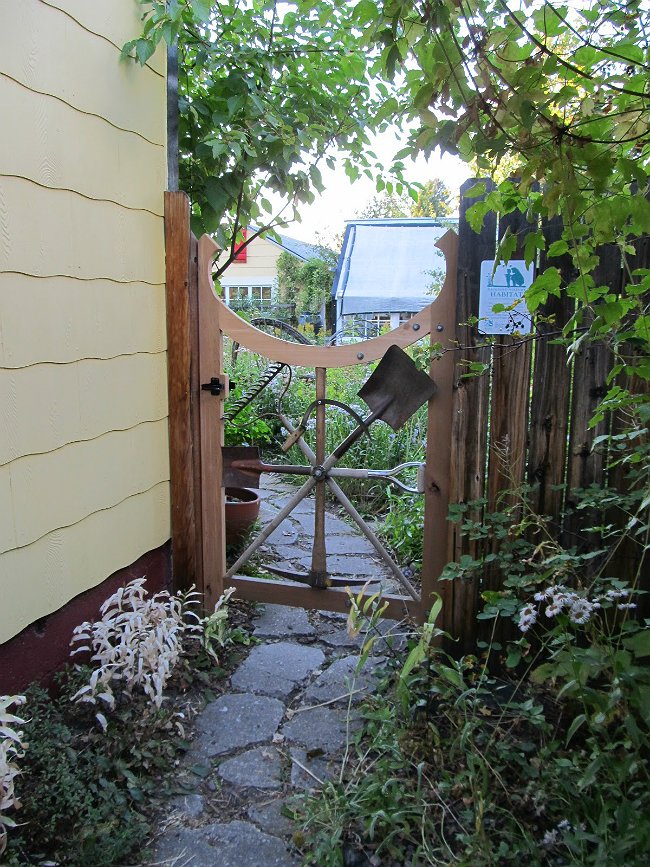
(260, 768)
(281, 621)
(276, 669)
(235, 721)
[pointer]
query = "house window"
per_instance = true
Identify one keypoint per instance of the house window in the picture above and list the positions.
(379, 322)
(404, 317)
(256, 297)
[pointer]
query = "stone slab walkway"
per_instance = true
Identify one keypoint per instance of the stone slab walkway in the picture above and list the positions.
(282, 726)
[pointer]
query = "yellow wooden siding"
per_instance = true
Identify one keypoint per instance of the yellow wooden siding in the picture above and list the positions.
(95, 475)
(261, 261)
(57, 319)
(49, 52)
(40, 578)
(79, 401)
(93, 158)
(89, 239)
(84, 464)
(116, 22)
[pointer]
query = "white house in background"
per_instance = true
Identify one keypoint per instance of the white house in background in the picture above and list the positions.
(388, 271)
(253, 276)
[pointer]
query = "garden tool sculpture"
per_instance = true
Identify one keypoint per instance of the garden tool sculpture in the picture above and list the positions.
(394, 391)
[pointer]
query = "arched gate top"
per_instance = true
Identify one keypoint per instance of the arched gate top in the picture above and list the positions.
(363, 352)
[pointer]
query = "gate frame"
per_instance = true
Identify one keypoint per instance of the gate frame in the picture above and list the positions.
(196, 322)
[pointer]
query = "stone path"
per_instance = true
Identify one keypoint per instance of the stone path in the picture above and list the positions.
(284, 724)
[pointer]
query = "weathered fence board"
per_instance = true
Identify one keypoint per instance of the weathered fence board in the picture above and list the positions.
(470, 410)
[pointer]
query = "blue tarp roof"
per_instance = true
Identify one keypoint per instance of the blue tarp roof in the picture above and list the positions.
(385, 265)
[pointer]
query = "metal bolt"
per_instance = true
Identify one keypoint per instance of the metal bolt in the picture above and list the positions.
(360, 356)
(319, 402)
(416, 327)
(440, 327)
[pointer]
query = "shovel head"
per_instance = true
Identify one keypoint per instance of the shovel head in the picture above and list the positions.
(247, 477)
(396, 378)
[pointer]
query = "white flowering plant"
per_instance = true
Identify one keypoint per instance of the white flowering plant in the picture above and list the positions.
(12, 748)
(136, 644)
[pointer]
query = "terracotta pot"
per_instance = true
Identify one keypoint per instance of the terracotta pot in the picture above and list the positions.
(242, 510)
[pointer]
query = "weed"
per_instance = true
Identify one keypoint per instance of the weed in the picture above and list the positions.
(12, 747)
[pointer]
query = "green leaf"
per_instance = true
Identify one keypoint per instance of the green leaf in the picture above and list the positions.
(573, 728)
(534, 241)
(639, 643)
(558, 248)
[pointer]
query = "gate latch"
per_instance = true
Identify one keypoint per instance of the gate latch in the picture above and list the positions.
(215, 386)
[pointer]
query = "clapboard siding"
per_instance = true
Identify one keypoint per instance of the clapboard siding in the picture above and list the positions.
(68, 234)
(115, 22)
(49, 52)
(40, 578)
(61, 320)
(84, 464)
(45, 406)
(93, 158)
(95, 475)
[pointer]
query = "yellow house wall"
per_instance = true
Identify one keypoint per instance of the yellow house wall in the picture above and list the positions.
(84, 471)
(261, 264)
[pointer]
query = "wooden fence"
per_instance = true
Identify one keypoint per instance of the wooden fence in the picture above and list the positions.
(531, 403)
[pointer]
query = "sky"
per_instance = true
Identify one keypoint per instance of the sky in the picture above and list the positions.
(341, 199)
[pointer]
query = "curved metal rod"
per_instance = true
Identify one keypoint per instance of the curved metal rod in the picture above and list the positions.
(325, 356)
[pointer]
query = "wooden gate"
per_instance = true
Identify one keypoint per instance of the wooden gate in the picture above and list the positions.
(197, 321)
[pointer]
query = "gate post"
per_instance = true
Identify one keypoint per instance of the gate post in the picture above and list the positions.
(182, 376)
(213, 389)
(439, 445)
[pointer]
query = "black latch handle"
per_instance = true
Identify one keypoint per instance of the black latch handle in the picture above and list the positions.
(215, 386)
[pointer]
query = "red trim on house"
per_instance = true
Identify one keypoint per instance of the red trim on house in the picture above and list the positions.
(241, 251)
(43, 648)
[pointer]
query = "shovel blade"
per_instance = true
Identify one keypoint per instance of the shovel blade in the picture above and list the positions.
(237, 476)
(397, 378)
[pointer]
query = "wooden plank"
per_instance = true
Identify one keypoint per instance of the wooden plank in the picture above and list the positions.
(57, 146)
(45, 406)
(335, 356)
(127, 95)
(508, 429)
(438, 455)
(195, 417)
(211, 430)
(549, 410)
(470, 409)
(181, 432)
(69, 561)
(591, 365)
(510, 391)
(631, 562)
(56, 232)
(301, 596)
(319, 554)
(61, 488)
(56, 319)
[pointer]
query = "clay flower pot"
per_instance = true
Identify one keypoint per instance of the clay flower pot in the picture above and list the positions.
(242, 510)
